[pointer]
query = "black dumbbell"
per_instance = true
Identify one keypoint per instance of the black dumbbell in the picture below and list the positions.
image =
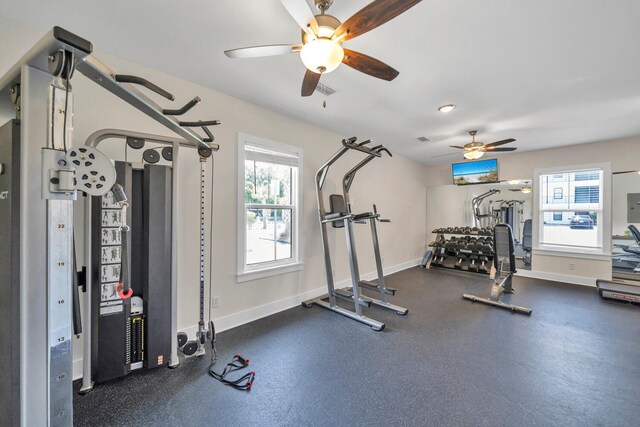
(473, 266)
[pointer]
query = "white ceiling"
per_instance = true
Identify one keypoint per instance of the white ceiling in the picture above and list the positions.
(548, 73)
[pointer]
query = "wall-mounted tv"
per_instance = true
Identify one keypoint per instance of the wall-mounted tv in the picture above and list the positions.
(480, 172)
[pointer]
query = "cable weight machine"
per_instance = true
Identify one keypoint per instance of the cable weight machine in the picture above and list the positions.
(150, 338)
(37, 190)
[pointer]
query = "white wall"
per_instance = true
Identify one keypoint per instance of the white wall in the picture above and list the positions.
(623, 155)
(395, 184)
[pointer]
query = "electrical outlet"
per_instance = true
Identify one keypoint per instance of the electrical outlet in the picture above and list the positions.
(333, 270)
(215, 302)
(572, 266)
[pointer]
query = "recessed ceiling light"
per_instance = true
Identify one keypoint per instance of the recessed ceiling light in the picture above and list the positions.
(446, 108)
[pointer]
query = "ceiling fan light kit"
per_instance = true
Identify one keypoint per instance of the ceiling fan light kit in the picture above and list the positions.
(473, 155)
(446, 108)
(322, 55)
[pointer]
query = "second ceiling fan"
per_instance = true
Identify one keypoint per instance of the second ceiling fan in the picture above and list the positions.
(321, 49)
(476, 149)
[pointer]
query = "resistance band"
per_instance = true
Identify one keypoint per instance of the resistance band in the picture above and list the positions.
(238, 362)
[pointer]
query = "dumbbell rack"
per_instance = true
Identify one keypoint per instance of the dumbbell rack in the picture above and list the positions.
(447, 253)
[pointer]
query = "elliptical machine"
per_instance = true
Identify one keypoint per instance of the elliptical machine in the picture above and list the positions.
(504, 266)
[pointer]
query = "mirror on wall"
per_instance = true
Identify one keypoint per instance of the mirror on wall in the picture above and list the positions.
(483, 205)
(625, 259)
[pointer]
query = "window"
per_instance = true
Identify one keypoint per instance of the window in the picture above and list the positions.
(557, 193)
(587, 194)
(269, 200)
(571, 221)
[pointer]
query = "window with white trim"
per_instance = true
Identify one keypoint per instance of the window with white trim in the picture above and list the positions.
(571, 209)
(269, 203)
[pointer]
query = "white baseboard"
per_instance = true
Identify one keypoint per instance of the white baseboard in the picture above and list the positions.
(555, 277)
(242, 317)
(245, 316)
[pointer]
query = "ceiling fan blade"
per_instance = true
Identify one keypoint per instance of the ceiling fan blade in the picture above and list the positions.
(443, 155)
(458, 147)
(310, 82)
(371, 16)
(497, 143)
(493, 150)
(302, 14)
(259, 51)
(368, 65)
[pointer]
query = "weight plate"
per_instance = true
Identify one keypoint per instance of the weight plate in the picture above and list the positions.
(95, 174)
(135, 143)
(167, 153)
(151, 156)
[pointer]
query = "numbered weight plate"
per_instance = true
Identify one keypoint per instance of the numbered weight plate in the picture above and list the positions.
(111, 255)
(108, 292)
(111, 218)
(110, 273)
(111, 236)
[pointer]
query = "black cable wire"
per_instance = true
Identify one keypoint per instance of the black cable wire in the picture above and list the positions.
(212, 333)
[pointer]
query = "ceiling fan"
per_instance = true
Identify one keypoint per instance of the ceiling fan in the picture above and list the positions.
(526, 189)
(321, 49)
(476, 149)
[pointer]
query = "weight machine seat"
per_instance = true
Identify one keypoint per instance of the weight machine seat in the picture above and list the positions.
(526, 235)
(504, 247)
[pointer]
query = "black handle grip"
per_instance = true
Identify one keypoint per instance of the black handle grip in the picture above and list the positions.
(123, 78)
(360, 147)
(188, 106)
(210, 137)
(387, 151)
(200, 123)
(364, 142)
(350, 140)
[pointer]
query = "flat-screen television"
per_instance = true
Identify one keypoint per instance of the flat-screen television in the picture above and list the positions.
(480, 172)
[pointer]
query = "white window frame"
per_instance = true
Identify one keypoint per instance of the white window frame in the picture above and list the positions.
(257, 271)
(605, 220)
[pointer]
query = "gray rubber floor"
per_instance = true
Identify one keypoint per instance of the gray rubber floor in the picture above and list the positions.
(449, 362)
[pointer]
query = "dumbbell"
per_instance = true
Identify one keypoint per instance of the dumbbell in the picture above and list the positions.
(461, 258)
(487, 249)
(483, 267)
(472, 263)
(451, 247)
